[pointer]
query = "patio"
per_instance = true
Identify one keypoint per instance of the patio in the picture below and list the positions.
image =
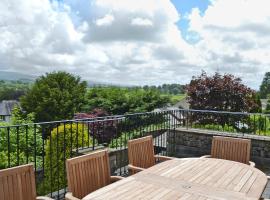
(49, 145)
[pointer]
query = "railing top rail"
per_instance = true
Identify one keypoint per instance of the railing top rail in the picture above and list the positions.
(224, 112)
(118, 117)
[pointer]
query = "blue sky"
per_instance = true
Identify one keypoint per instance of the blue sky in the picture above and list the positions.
(184, 7)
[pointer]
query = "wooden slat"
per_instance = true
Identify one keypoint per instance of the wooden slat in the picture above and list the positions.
(141, 152)
(18, 183)
(234, 149)
(88, 173)
(190, 179)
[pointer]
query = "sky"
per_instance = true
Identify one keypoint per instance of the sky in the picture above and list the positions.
(138, 42)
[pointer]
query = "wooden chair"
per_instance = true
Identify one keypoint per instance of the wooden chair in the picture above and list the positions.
(141, 154)
(18, 183)
(234, 149)
(88, 173)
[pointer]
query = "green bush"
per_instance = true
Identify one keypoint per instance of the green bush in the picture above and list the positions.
(260, 123)
(21, 144)
(215, 127)
(122, 140)
(62, 143)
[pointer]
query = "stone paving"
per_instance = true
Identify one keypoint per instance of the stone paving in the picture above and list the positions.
(266, 193)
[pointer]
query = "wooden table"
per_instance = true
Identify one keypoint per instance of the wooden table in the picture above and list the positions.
(193, 178)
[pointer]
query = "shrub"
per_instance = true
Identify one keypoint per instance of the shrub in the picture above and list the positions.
(19, 145)
(260, 124)
(221, 93)
(62, 144)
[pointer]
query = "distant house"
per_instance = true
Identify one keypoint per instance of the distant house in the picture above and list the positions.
(6, 107)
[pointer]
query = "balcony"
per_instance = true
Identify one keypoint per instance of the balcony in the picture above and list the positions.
(176, 133)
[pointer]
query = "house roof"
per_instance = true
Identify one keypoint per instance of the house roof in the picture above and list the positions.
(6, 106)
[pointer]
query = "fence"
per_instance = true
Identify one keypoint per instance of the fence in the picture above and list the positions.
(47, 145)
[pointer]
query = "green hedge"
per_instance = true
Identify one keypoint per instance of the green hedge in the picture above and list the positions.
(63, 141)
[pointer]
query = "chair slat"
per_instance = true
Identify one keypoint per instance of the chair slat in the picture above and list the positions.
(88, 173)
(234, 149)
(18, 183)
(141, 152)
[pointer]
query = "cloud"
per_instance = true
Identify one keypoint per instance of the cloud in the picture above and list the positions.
(237, 34)
(141, 22)
(134, 42)
(107, 20)
(126, 42)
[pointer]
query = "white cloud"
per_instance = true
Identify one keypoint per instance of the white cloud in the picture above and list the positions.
(105, 21)
(234, 37)
(141, 22)
(134, 42)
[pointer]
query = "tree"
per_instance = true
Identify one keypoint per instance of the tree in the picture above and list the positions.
(19, 145)
(267, 109)
(55, 96)
(221, 93)
(111, 99)
(117, 101)
(265, 86)
(12, 90)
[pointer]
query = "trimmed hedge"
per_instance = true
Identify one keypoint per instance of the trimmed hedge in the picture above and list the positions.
(61, 145)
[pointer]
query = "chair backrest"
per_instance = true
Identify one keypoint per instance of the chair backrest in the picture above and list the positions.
(18, 183)
(141, 152)
(88, 173)
(234, 149)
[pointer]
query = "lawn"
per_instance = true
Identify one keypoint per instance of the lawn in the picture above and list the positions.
(177, 98)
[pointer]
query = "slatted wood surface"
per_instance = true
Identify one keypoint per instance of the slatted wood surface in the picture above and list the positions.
(141, 152)
(18, 183)
(235, 149)
(88, 173)
(189, 179)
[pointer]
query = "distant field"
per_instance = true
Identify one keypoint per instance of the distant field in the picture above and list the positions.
(175, 98)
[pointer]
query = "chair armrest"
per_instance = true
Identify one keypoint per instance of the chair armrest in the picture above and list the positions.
(268, 177)
(69, 196)
(162, 158)
(43, 198)
(252, 164)
(206, 156)
(134, 169)
(116, 178)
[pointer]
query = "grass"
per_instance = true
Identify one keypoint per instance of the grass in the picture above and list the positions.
(176, 98)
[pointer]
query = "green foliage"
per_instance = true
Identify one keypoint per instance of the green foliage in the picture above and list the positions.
(265, 86)
(267, 109)
(254, 124)
(215, 127)
(122, 140)
(176, 98)
(117, 100)
(172, 89)
(62, 143)
(55, 96)
(21, 144)
(259, 123)
(13, 90)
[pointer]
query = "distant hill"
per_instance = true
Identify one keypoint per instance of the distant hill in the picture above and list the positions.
(15, 76)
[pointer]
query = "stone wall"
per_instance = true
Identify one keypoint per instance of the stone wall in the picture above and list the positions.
(197, 142)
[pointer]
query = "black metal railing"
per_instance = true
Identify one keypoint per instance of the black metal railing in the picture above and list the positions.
(237, 122)
(47, 145)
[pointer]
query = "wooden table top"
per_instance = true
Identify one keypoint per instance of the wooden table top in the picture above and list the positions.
(189, 178)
